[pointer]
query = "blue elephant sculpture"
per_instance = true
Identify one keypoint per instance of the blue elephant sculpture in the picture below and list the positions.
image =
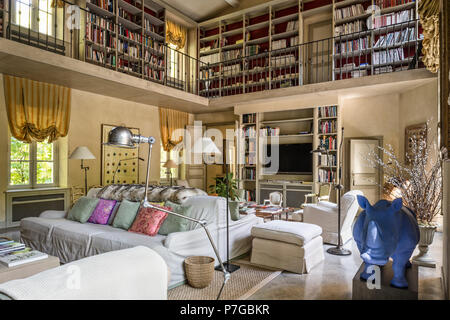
(386, 230)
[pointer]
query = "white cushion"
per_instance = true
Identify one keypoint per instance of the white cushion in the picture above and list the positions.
(297, 233)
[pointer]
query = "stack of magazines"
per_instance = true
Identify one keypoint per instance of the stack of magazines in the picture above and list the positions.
(15, 253)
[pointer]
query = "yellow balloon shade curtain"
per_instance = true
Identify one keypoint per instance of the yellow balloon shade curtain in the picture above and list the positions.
(169, 121)
(175, 34)
(36, 111)
(429, 18)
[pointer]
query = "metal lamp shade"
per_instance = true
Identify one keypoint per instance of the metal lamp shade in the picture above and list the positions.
(120, 137)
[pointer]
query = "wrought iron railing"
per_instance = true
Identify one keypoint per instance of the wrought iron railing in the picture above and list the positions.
(96, 37)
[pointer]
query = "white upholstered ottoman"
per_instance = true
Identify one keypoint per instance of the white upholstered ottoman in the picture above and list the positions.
(290, 246)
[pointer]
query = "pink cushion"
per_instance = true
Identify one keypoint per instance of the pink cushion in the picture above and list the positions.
(148, 221)
(102, 211)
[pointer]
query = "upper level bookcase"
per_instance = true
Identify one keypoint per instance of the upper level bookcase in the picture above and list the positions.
(2, 9)
(239, 48)
(373, 36)
(127, 36)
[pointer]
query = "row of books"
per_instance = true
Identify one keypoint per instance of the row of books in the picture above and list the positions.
(329, 142)
(326, 175)
(249, 132)
(387, 69)
(393, 18)
(100, 56)
(231, 69)
(352, 45)
(250, 159)
(269, 132)
(99, 21)
(391, 3)
(292, 25)
(15, 253)
(104, 4)
(350, 11)
(135, 36)
(249, 173)
(151, 43)
(250, 195)
(211, 58)
(128, 16)
(279, 44)
(250, 145)
(153, 60)
(398, 37)
(129, 49)
(328, 126)
(150, 27)
(100, 36)
(151, 73)
(351, 27)
(249, 118)
(231, 54)
(252, 50)
(358, 73)
(283, 60)
(388, 56)
(328, 111)
(294, 41)
(327, 160)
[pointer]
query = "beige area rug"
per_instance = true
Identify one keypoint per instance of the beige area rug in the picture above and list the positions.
(243, 283)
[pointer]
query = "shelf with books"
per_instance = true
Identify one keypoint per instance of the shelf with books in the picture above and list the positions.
(388, 6)
(101, 7)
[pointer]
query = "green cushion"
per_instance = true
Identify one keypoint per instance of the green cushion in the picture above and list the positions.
(174, 223)
(82, 209)
(126, 214)
(233, 206)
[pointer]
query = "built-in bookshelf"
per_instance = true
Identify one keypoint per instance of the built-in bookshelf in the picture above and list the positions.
(317, 126)
(127, 36)
(248, 155)
(328, 136)
(251, 50)
(373, 36)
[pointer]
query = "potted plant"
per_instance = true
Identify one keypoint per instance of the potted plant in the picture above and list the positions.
(220, 189)
(418, 181)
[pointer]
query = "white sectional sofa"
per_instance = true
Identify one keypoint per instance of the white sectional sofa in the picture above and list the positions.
(71, 240)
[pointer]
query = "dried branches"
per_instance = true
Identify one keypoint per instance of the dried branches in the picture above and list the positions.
(420, 182)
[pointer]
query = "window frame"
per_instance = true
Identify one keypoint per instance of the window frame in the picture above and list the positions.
(35, 15)
(33, 168)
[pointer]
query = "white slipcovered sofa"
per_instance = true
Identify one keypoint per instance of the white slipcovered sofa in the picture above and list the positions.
(137, 273)
(325, 215)
(70, 240)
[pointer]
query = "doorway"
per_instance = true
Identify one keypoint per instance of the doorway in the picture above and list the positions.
(360, 174)
(319, 52)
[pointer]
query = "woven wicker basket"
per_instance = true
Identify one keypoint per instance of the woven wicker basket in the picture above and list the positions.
(199, 271)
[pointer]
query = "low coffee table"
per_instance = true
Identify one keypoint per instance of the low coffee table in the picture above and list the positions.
(271, 216)
(27, 269)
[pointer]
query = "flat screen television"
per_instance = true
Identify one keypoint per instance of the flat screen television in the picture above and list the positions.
(293, 158)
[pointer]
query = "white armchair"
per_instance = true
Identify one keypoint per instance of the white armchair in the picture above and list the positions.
(325, 215)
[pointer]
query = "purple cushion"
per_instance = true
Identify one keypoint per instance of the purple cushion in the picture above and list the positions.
(102, 211)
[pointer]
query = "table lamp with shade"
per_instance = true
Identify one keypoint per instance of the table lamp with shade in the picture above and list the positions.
(82, 153)
(170, 164)
(124, 138)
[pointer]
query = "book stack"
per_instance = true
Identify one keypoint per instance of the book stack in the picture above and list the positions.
(328, 126)
(347, 12)
(326, 112)
(249, 132)
(268, 131)
(14, 253)
(249, 173)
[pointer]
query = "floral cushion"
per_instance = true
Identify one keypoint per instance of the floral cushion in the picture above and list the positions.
(148, 221)
(102, 211)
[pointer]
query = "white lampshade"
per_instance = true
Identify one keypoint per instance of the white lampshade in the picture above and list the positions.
(205, 145)
(82, 153)
(170, 164)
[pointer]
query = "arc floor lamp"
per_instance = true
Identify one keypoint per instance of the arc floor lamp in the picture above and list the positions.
(124, 138)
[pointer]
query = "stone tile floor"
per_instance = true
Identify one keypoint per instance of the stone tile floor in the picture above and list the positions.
(332, 279)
